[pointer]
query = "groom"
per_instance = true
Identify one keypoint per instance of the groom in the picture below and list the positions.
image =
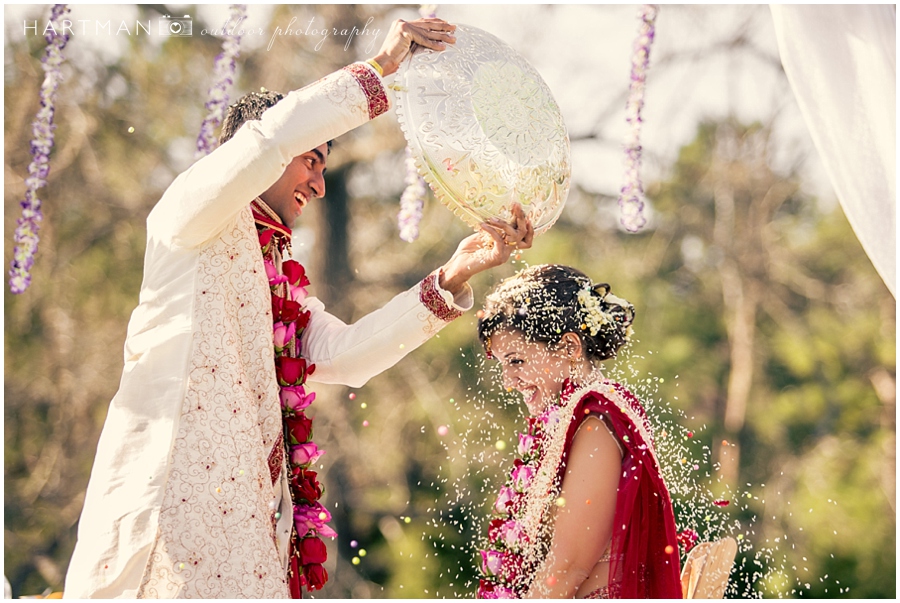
(189, 493)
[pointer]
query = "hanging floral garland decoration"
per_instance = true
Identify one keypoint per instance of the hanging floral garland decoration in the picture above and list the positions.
(223, 72)
(631, 198)
(412, 201)
(26, 235)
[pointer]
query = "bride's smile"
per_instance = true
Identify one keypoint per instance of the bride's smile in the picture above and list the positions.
(531, 368)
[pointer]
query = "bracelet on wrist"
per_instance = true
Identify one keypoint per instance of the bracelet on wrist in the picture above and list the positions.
(377, 67)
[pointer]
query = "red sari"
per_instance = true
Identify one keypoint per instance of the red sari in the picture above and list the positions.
(644, 550)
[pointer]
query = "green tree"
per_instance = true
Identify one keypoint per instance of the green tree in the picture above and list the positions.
(785, 339)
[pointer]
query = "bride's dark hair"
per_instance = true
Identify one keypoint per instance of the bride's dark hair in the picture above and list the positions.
(547, 301)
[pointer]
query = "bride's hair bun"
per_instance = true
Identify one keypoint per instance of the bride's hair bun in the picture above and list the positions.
(547, 301)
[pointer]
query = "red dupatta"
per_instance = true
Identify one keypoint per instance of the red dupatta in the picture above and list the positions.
(645, 560)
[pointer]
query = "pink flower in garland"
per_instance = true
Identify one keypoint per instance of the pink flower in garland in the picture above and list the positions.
(298, 294)
(522, 476)
(490, 591)
(272, 273)
(294, 398)
(509, 532)
(313, 518)
(303, 455)
(527, 443)
(504, 499)
(283, 335)
(631, 197)
(26, 235)
(551, 417)
(223, 72)
(491, 562)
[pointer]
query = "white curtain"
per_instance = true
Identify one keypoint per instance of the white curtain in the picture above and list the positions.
(841, 63)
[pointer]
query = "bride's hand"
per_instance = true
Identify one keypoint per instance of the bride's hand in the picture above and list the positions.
(487, 249)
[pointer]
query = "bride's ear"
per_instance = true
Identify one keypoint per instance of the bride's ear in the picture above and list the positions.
(571, 344)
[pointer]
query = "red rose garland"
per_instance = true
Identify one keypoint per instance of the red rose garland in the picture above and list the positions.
(288, 289)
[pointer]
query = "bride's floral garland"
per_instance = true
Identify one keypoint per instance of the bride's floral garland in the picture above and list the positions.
(288, 289)
(517, 539)
(503, 564)
(513, 541)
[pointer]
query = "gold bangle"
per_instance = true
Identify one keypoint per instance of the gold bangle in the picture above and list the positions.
(377, 67)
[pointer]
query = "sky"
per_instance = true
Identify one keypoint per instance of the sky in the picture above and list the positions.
(584, 54)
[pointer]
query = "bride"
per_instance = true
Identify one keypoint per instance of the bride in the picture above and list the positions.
(585, 512)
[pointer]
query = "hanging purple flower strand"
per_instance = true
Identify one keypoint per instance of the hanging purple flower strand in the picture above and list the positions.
(412, 201)
(223, 72)
(631, 198)
(26, 235)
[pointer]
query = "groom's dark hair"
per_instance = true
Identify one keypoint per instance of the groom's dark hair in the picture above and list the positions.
(247, 108)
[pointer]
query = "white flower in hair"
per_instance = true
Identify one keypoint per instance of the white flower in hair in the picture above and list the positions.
(594, 317)
(612, 299)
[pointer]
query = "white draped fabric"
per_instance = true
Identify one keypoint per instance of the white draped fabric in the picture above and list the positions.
(841, 63)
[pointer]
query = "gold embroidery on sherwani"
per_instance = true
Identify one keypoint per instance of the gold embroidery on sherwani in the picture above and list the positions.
(216, 536)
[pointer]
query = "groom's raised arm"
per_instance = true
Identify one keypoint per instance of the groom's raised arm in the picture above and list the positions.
(206, 197)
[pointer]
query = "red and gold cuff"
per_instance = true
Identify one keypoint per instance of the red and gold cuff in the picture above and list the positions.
(371, 84)
(430, 296)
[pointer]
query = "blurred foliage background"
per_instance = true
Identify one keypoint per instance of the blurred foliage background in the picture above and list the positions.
(762, 329)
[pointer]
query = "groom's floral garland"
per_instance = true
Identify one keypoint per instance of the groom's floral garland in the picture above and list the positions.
(510, 557)
(288, 288)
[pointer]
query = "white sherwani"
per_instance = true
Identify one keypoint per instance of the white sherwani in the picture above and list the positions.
(181, 500)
